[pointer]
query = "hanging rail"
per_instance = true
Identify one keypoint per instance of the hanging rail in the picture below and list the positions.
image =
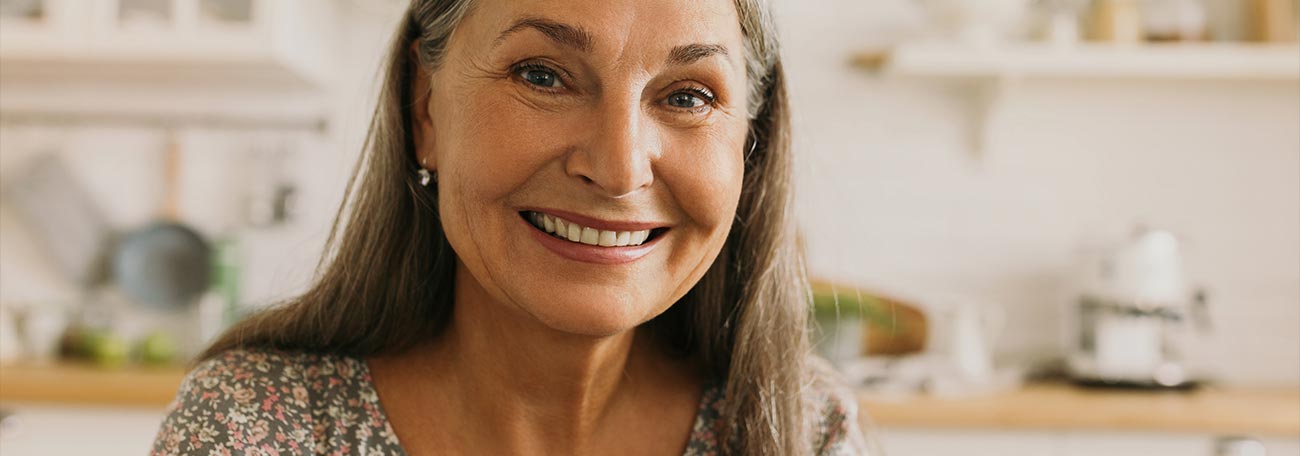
(165, 121)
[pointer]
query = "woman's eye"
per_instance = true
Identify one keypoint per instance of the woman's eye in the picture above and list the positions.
(540, 77)
(690, 99)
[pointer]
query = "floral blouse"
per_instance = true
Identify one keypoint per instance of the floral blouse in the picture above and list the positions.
(265, 402)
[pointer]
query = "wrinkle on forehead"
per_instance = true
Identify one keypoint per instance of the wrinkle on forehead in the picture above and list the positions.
(628, 31)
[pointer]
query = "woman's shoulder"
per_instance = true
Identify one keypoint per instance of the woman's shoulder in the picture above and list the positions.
(833, 407)
(829, 403)
(287, 379)
(317, 372)
(273, 401)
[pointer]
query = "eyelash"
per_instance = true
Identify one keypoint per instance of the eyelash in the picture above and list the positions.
(705, 94)
(710, 100)
(538, 67)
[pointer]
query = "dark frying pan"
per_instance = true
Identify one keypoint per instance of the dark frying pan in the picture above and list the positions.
(165, 265)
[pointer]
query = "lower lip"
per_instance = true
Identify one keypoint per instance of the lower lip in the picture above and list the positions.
(590, 253)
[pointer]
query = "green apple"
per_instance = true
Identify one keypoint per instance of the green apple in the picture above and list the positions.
(105, 348)
(157, 348)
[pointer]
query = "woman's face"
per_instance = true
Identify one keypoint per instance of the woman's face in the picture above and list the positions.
(617, 121)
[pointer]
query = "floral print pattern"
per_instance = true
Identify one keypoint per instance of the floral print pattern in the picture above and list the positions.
(271, 403)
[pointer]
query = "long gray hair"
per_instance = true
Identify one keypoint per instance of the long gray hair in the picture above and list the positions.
(386, 280)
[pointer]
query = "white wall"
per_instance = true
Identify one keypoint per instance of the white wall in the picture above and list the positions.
(895, 198)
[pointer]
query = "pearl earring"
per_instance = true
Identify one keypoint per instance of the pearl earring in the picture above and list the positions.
(425, 176)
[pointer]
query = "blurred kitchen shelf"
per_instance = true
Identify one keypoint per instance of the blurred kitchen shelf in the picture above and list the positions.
(1201, 61)
(989, 73)
(181, 60)
(247, 66)
(1056, 406)
(67, 383)
(168, 42)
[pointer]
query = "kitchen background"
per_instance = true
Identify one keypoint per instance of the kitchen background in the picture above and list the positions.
(969, 159)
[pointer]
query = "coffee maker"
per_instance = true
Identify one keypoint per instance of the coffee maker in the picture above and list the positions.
(1135, 318)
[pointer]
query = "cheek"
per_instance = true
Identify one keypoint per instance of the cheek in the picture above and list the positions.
(479, 150)
(706, 188)
(491, 146)
(705, 179)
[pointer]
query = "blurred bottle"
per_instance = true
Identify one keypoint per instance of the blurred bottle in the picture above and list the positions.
(1058, 21)
(41, 326)
(220, 306)
(226, 278)
(1273, 21)
(9, 340)
(978, 22)
(1116, 21)
(1175, 20)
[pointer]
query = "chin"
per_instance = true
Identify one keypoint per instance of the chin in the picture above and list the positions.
(599, 314)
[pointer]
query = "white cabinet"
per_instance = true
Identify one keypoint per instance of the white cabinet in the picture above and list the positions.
(41, 25)
(45, 430)
(260, 63)
(979, 442)
(165, 41)
(965, 442)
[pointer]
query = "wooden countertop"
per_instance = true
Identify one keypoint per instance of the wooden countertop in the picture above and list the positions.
(1045, 406)
(83, 384)
(1057, 406)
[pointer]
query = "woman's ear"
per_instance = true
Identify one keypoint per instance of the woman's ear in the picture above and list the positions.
(421, 119)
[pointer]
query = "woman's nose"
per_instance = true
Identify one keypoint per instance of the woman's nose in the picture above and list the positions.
(617, 157)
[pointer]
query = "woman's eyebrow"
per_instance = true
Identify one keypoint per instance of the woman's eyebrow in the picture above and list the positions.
(564, 34)
(690, 53)
(576, 37)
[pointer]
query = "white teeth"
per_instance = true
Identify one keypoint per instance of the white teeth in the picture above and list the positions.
(590, 236)
(607, 238)
(564, 229)
(575, 232)
(638, 237)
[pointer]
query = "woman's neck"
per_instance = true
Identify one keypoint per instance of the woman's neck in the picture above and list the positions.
(537, 389)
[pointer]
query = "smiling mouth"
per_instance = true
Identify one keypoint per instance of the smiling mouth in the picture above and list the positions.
(579, 234)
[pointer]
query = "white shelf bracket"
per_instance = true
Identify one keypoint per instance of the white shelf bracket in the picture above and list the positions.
(986, 99)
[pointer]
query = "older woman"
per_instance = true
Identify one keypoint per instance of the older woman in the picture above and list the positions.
(572, 235)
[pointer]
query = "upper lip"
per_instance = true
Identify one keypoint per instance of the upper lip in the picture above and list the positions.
(600, 224)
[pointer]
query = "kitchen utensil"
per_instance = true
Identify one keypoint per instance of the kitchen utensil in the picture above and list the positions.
(974, 331)
(959, 361)
(1134, 323)
(271, 197)
(166, 264)
(63, 218)
(965, 333)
